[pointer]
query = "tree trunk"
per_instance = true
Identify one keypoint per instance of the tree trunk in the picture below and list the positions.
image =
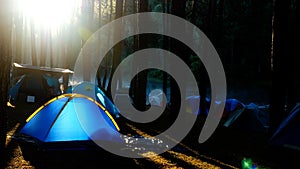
(133, 83)
(104, 80)
(51, 50)
(211, 20)
(44, 39)
(87, 10)
(25, 39)
(178, 9)
(196, 12)
(5, 60)
(166, 46)
(19, 26)
(280, 63)
(139, 82)
(33, 45)
(140, 90)
(209, 29)
(117, 51)
(219, 32)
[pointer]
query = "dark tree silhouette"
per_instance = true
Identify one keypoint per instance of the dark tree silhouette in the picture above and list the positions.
(139, 83)
(117, 51)
(44, 43)
(280, 62)
(178, 9)
(209, 29)
(33, 45)
(19, 25)
(5, 60)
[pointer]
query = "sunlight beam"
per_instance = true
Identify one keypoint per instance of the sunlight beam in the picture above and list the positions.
(48, 13)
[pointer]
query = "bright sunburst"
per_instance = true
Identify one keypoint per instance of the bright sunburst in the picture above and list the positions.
(48, 13)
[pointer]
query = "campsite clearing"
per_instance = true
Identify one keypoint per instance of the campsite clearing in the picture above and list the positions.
(227, 148)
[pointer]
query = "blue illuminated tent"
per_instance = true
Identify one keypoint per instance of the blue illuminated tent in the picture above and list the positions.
(60, 122)
(192, 101)
(230, 105)
(94, 91)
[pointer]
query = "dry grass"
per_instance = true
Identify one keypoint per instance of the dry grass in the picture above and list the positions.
(15, 159)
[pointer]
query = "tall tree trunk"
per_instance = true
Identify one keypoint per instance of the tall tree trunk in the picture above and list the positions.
(178, 9)
(61, 49)
(209, 29)
(104, 80)
(166, 46)
(280, 63)
(134, 83)
(294, 62)
(141, 82)
(219, 32)
(100, 82)
(33, 45)
(292, 66)
(25, 41)
(100, 12)
(196, 12)
(51, 49)
(117, 51)
(108, 59)
(44, 39)
(87, 10)
(5, 60)
(257, 39)
(19, 29)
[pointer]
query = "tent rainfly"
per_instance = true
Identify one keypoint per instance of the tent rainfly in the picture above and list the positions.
(60, 122)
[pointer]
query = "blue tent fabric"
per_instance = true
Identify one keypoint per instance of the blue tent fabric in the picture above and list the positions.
(236, 115)
(230, 105)
(100, 97)
(39, 125)
(13, 91)
(191, 103)
(54, 83)
(232, 116)
(287, 134)
(58, 121)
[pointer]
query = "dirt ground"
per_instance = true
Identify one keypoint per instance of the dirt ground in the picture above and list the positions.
(227, 148)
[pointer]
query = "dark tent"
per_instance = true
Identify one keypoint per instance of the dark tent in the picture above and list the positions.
(31, 84)
(29, 88)
(58, 124)
(249, 117)
(288, 133)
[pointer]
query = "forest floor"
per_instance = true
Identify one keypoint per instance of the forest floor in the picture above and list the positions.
(226, 148)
